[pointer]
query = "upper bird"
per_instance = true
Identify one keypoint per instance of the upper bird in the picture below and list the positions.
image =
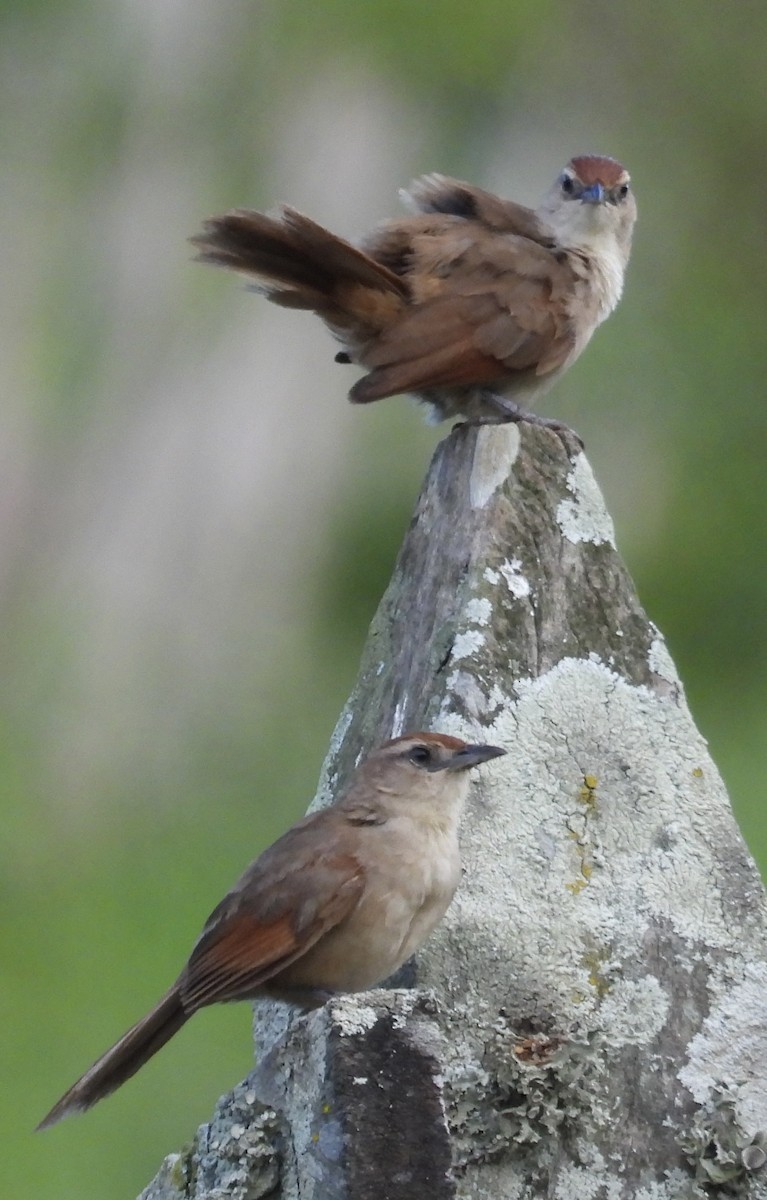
(476, 304)
(337, 904)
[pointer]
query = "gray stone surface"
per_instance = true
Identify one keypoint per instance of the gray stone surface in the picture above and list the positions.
(591, 1015)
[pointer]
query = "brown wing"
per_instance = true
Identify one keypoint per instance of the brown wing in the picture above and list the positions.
(484, 306)
(293, 894)
(441, 194)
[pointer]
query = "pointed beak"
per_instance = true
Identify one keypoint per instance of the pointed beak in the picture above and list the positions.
(472, 756)
(593, 195)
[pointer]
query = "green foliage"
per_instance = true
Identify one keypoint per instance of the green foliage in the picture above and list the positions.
(423, 46)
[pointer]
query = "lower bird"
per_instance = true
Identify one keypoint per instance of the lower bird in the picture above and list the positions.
(337, 904)
(475, 304)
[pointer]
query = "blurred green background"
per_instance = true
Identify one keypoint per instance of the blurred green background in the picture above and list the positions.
(196, 527)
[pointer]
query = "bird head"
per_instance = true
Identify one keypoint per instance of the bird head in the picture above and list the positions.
(424, 769)
(591, 204)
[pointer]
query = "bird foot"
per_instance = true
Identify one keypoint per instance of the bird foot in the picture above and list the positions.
(505, 411)
(304, 998)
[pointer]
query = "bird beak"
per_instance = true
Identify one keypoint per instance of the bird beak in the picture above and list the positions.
(471, 756)
(593, 195)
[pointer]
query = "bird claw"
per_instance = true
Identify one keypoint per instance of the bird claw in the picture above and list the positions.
(565, 432)
(505, 411)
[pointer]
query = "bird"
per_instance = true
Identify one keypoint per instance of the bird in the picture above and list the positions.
(474, 304)
(337, 904)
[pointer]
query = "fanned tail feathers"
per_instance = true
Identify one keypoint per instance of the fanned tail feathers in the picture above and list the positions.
(299, 264)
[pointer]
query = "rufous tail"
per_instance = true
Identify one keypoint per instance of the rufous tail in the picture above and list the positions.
(299, 264)
(123, 1060)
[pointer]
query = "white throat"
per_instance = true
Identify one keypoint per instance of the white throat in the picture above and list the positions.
(607, 269)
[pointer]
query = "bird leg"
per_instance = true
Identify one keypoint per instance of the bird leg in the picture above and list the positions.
(304, 998)
(504, 411)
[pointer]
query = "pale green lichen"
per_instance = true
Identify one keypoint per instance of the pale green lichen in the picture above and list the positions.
(516, 582)
(607, 772)
(732, 1045)
(479, 610)
(585, 518)
(467, 644)
(526, 1088)
(721, 1153)
(234, 1156)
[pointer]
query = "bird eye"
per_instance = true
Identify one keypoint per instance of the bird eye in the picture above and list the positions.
(420, 756)
(623, 191)
(568, 185)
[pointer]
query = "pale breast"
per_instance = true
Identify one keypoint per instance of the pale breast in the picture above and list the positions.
(407, 894)
(598, 286)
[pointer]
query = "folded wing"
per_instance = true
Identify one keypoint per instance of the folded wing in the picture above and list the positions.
(263, 927)
(484, 307)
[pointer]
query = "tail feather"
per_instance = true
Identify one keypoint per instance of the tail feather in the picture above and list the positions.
(134, 1048)
(291, 251)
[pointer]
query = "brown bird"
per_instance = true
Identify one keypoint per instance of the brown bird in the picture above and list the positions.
(337, 904)
(476, 305)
